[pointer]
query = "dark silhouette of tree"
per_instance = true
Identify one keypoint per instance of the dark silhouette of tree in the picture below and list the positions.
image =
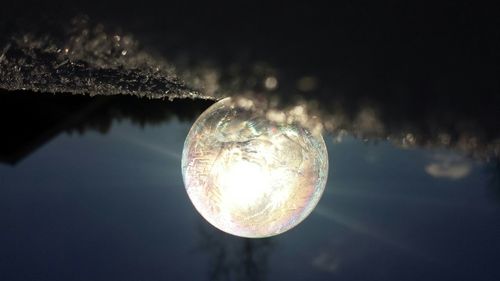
(234, 258)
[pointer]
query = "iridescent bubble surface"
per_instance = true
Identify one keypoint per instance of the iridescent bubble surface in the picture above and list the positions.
(249, 175)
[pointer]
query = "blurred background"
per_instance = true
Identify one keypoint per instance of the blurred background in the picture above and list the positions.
(97, 98)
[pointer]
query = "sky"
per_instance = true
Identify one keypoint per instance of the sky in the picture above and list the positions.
(113, 206)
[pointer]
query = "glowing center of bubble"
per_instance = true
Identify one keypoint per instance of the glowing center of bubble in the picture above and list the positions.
(250, 176)
(243, 183)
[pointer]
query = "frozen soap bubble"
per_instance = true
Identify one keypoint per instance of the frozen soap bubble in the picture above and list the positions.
(248, 174)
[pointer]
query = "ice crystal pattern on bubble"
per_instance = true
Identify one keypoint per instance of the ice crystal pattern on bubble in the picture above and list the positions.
(250, 176)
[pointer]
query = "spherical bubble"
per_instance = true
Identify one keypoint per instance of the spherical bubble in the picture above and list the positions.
(249, 175)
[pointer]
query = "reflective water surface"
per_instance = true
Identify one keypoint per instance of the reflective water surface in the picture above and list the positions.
(95, 206)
